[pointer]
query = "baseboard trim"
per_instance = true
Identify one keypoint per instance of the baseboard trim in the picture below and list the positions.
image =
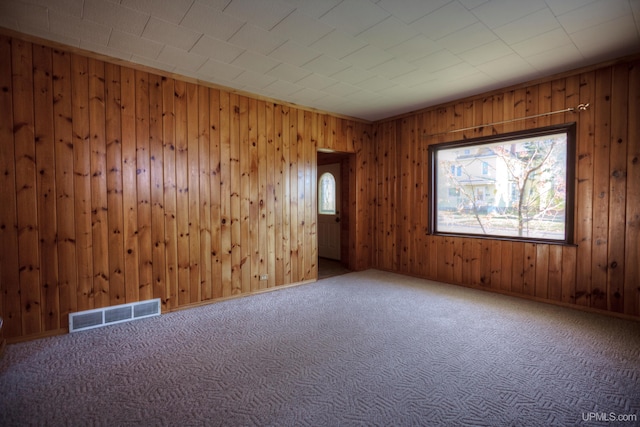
(246, 294)
(578, 307)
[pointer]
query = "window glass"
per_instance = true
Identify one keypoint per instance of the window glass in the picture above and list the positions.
(327, 194)
(514, 186)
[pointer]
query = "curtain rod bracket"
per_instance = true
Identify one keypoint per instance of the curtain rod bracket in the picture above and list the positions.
(580, 107)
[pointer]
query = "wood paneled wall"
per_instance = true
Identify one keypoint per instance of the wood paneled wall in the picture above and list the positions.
(120, 185)
(602, 270)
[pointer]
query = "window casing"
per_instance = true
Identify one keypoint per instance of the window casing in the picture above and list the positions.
(515, 186)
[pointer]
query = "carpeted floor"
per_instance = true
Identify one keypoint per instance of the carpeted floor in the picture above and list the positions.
(369, 348)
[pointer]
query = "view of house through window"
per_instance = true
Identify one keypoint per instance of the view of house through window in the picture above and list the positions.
(516, 186)
(327, 194)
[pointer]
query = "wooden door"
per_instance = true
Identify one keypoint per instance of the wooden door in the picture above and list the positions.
(329, 211)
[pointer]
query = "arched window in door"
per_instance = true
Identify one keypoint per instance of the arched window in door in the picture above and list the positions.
(327, 194)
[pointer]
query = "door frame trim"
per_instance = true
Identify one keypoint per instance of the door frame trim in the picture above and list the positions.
(347, 202)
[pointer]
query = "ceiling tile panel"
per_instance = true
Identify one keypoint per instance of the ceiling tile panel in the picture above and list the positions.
(362, 97)
(467, 38)
(591, 44)
(256, 39)
(105, 50)
(446, 20)
(472, 4)
(251, 79)
(316, 81)
(218, 49)
(70, 7)
(280, 87)
(392, 69)
(415, 48)
(497, 13)
(259, 12)
(307, 96)
(595, 13)
(437, 61)
(72, 26)
(486, 53)
(313, 8)
(508, 68)
(454, 72)
(338, 44)
(341, 89)
(134, 44)
(186, 61)
(548, 60)
(388, 33)
(353, 75)
(560, 7)
(530, 26)
(413, 78)
(288, 73)
(15, 14)
(255, 62)
(375, 84)
(542, 43)
(200, 18)
(354, 16)
(153, 63)
(301, 28)
(293, 53)
(217, 71)
(116, 16)
(411, 10)
(167, 10)
(367, 57)
(171, 34)
(326, 65)
(48, 35)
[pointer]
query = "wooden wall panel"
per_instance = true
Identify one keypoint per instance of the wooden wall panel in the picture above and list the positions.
(121, 185)
(600, 270)
(98, 165)
(65, 201)
(143, 182)
(26, 191)
(114, 185)
(129, 184)
(216, 212)
(631, 288)
(171, 292)
(9, 271)
(156, 176)
(45, 183)
(157, 190)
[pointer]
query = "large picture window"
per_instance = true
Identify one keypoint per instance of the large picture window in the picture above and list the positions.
(509, 186)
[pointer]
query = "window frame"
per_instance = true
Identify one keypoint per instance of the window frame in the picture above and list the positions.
(568, 128)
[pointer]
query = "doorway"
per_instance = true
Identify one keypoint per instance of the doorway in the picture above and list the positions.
(329, 197)
(335, 191)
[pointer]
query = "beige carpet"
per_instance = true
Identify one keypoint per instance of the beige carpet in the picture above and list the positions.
(369, 348)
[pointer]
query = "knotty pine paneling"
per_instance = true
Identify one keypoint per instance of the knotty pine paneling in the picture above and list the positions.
(601, 270)
(120, 185)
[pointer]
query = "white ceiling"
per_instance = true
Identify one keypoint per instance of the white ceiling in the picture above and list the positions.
(369, 59)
